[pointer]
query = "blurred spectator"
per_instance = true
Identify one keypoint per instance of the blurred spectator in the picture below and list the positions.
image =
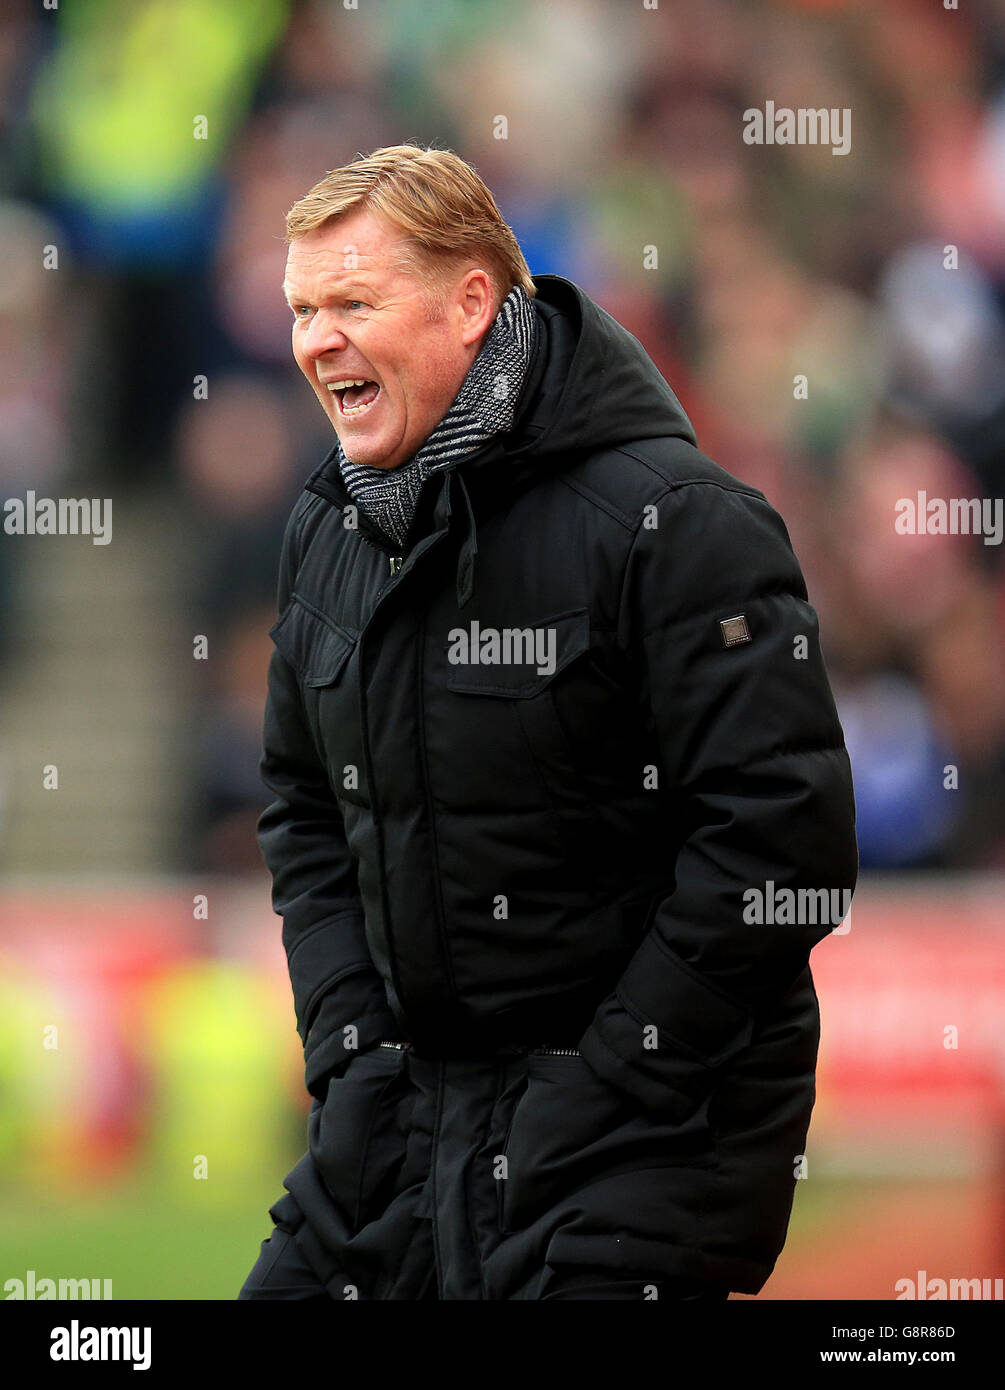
(35, 383)
(135, 113)
(235, 465)
(236, 468)
(228, 796)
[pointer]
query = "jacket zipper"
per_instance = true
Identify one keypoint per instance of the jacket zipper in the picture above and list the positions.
(395, 561)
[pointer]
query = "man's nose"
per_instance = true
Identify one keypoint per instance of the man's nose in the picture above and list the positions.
(323, 335)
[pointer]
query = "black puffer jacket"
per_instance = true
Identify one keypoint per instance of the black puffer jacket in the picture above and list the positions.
(478, 857)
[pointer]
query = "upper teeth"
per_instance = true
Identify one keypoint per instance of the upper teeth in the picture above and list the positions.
(341, 385)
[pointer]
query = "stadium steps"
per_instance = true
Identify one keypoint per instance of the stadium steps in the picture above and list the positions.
(99, 686)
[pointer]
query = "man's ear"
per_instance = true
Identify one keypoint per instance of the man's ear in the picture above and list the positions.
(476, 300)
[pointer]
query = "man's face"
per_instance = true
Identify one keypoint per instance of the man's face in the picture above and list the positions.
(357, 318)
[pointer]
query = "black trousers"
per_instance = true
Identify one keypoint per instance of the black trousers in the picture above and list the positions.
(523, 1179)
(282, 1272)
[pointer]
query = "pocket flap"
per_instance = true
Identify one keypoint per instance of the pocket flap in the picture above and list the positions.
(315, 647)
(659, 987)
(516, 662)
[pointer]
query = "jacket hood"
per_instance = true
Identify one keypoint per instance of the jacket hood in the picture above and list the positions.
(592, 384)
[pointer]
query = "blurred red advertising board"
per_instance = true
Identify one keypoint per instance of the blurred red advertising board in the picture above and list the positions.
(912, 994)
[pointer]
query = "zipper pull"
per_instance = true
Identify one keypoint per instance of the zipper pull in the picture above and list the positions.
(395, 562)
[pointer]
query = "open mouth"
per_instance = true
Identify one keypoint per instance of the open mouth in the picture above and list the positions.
(354, 395)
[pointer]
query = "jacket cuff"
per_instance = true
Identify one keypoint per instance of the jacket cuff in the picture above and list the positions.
(664, 1035)
(351, 1019)
(320, 958)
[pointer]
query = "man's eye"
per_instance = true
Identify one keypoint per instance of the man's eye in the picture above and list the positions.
(358, 304)
(302, 310)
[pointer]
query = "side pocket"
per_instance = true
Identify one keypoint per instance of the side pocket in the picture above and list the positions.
(504, 1151)
(570, 1129)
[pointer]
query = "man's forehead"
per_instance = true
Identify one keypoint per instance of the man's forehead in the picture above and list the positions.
(351, 244)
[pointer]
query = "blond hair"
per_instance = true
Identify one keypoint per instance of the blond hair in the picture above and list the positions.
(442, 208)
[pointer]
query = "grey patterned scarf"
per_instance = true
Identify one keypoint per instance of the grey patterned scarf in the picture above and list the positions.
(483, 407)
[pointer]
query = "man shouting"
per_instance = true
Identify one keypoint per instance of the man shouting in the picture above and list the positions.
(546, 714)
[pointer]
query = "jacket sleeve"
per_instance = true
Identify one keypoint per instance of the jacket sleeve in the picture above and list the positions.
(336, 987)
(753, 763)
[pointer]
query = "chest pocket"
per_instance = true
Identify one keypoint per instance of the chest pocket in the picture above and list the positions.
(566, 637)
(315, 647)
(319, 650)
(528, 689)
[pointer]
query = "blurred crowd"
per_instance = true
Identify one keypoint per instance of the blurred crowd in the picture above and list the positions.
(833, 324)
